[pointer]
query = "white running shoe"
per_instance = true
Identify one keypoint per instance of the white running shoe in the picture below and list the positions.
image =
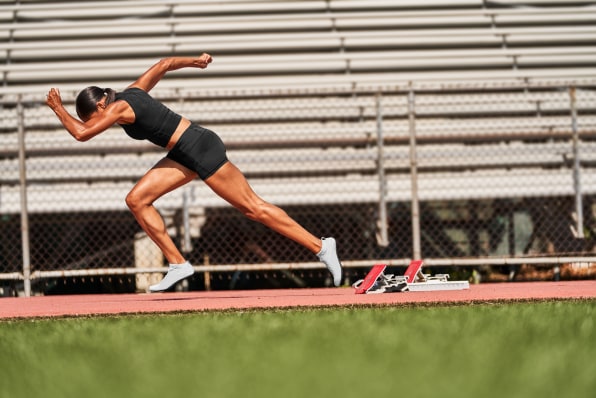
(328, 255)
(176, 273)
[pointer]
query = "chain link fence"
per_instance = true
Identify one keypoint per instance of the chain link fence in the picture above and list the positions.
(496, 182)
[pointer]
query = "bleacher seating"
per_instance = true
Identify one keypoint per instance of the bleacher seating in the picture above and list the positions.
(319, 43)
(300, 79)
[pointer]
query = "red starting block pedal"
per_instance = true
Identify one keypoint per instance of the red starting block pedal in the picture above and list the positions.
(413, 270)
(370, 278)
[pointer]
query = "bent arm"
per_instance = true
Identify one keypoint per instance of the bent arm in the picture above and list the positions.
(84, 131)
(153, 75)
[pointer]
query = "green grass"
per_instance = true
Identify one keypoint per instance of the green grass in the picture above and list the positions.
(545, 349)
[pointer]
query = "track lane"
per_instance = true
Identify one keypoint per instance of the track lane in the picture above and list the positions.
(112, 304)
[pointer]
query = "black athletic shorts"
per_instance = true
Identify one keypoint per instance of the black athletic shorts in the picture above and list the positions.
(200, 150)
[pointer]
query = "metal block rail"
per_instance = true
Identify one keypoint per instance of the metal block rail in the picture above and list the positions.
(413, 280)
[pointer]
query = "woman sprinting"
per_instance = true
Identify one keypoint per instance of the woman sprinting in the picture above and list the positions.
(192, 151)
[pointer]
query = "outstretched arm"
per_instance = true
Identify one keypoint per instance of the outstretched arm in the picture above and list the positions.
(149, 79)
(83, 131)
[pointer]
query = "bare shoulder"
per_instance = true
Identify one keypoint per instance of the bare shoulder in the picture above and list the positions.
(122, 110)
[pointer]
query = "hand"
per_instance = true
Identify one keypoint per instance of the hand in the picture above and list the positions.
(204, 60)
(53, 99)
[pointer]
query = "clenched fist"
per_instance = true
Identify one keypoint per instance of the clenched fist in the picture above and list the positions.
(53, 99)
(204, 60)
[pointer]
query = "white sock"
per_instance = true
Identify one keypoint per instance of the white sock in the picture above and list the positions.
(175, 274)
(328, 255)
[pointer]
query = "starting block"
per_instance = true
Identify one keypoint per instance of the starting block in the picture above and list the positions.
(413, 280)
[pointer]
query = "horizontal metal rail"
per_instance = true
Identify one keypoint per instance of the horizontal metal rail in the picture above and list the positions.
(314, 173)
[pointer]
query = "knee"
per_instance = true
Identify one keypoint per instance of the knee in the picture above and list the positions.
(134, 201)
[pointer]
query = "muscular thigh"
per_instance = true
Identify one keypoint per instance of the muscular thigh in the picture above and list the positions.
(162, 178)
(230, 184)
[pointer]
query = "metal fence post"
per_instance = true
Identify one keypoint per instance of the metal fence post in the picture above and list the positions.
(186, 242)
(383, 238)
(577, 187)
(416, 249)
(23, 196)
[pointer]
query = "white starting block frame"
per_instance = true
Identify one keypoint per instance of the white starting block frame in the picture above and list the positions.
(413, 280)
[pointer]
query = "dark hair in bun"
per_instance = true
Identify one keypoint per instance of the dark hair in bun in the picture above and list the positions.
(88, 98)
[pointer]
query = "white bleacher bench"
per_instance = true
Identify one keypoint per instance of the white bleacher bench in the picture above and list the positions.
(310, 161)
(481, 184)
(354, 37)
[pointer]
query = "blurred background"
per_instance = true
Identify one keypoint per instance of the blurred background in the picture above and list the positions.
(461, 132)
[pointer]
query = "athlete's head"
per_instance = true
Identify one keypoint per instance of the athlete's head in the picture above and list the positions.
(89, 99)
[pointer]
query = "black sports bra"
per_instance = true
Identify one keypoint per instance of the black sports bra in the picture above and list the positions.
(153, 120)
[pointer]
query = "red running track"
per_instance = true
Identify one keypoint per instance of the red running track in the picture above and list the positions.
(110, 304)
